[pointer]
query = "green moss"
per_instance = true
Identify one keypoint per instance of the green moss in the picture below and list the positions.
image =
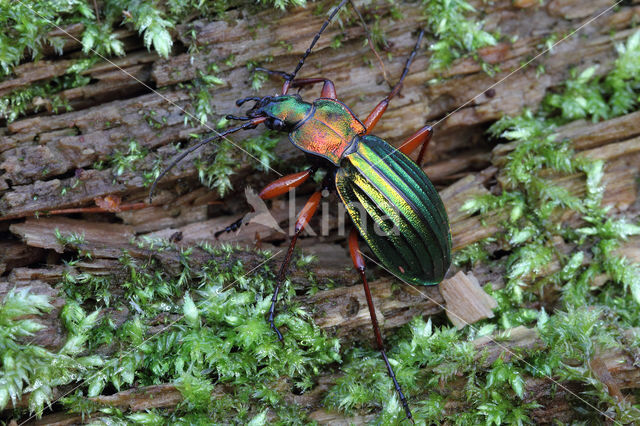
(214, 333)
(428, 360)
(257, 151)
(531, 199)
(37, 96)
(456, 34)
(425, 361)
(27, 31)
(71, 239)
(211, 318)
(257, 77)
(28, 24)
(202, 99)
(122, 161)
(586, 95)
(215, 173)
(30, 368)
(134, 159)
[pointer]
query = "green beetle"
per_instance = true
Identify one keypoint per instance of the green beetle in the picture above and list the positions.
(392, 203)
(391, 200)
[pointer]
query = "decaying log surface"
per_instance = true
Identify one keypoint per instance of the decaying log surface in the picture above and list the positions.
(37, 154)
(466, 302)
(47, 162)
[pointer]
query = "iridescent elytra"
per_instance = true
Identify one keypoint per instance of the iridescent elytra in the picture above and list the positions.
(391, 201)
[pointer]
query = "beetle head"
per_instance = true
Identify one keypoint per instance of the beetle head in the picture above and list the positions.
(283, 112)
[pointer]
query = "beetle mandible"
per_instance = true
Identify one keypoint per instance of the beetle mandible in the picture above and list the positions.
(377, 183)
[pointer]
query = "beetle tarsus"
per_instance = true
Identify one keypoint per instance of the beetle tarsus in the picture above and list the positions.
(234, 226)
(285, 75)
(403, 399)
(239, 102)
(377, 112)
(272, 312)
(235, 117)
(279, 280)
(425, 228)
(313, 43)
(374, 323)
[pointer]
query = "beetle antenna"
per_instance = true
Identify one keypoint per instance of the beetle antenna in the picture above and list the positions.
(291, 76)
(370, 42)
(407, 65)
(250, 125)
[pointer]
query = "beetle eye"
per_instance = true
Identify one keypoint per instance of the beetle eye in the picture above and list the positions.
(276, 124)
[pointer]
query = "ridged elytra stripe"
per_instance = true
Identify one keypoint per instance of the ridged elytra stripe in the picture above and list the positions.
(404, 166)
(393, 249)
(420, 201)
(421, 214)
(403, 237)
(418, 213)
(408, 218)
(409, 176)
(424, 187)
(423, 181)
(349, 193)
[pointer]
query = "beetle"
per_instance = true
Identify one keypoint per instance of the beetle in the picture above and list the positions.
(391, 201)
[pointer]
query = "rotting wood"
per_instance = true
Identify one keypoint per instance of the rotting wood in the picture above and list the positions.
(105, 239)
(584, 134)
(341, 310)
(395, 305)
(108, 240)
(44, 163)
(466, 301)
(14, 254)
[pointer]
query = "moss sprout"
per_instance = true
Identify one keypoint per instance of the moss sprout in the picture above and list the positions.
(456, 35)
(216, 173)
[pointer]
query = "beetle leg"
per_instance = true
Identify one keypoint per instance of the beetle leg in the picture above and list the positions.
(328, 88)
(421, 137)
(305, 215)
(235, 225)
(272, 190)
(377, 112)
(285, 184)
(358, 262)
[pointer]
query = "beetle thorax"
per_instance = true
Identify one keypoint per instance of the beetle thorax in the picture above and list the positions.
(329, 130)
